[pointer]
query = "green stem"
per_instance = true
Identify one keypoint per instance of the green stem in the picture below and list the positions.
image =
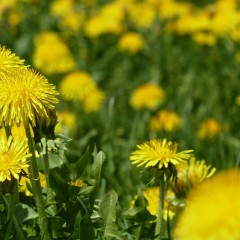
(158, 228)
(10, 213)
(37, 190)
(46, 166)
(18, 229)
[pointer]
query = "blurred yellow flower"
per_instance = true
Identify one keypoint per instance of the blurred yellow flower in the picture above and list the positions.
(78, 183)
(131, 42)
(212, 212)
(61, 7)
(209, 128)
(190, 175)
(25, 183)
(51, 54)
(92, 102)
(9, 61)
(13, 158)
(158, 153)
(77, 85)
(152, 196)
(237, 100)
(202, 38)
(25, 96)
(165, 120)
(147, 96)
(66, 122)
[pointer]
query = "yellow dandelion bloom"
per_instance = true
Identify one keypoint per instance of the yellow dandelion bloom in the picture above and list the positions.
(212, 212)
(159, 153)
(78, 183)
(66, 122)
(237, 100)
(166, 120)
(25, 97)
(203, 38)
(51, 54)
(76, 85)
(209, 128)
(9, 61)
(61, 7)
(131, 42)
(13, 158)
(92, 102)
(152, 197)
(147, 96)
(190, 175)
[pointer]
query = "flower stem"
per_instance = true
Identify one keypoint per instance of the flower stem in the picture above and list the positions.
(46, 166)
(158, 228)
(37, 190)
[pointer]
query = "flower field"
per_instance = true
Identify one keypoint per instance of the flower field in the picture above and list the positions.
(119, 119)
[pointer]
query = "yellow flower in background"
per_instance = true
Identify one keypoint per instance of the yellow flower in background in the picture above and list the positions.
(131, 42)
(190, 175)
(13, 158)
(143, 9)
(76, 85)
(209, 128)
(147, 96)
(237, 100)
(158, 153)
(78, 183)
(61, 7)
(9, 61)
(92, 102)
(25, 183)
(25, 97)
(66, 122)
(165, 120)
(51, 54)
(152, 196)
(212, 211)
(202, 38)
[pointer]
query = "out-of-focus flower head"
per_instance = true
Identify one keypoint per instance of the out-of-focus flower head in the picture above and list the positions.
(147, 96)
(78, 183)
(204, 38)
(131, 42)
(190, 175)
(93, 101)
(66, 122)
(209, 128)
(52, 54)
(165, 120)
(152, 196)
(76, 86)
(212, 211)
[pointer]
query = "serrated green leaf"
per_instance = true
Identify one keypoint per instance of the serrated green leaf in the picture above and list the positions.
(23, 213)
(107, 209)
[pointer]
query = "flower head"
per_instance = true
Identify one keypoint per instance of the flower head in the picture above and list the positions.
(25, 97)
(77, 85)
(13, 158)
(212, 212)
(152, 196)
(166, 120)
(209, 128)
(131, 42)
(147, 96)
(9, 61)
(190, 176)
(66, 122)
(159, 153)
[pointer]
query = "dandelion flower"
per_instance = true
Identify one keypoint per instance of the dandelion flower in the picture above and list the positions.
(78, 183)
(147, 96)
(25, 97)
(131, 42)
(191, 175)
(152, 197)
(9, 61)
(166, 120)
(52, 55)
(158, 153)
(66, 122)
(209, 128)
(13, 158)
(212, 212)
(93, 101)
(76, 85)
